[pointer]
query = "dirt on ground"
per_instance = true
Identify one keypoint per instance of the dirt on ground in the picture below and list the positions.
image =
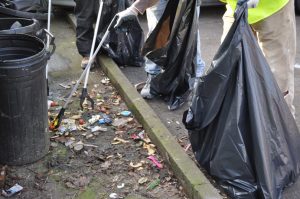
(96, 153)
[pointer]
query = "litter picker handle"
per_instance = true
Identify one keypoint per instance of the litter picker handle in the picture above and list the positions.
(51, 42)
(92, 58)
(94, 40)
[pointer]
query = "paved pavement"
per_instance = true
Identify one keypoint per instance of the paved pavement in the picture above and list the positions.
(211, 30)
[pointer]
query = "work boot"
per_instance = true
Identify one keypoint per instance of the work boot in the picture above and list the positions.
(145, 92)
(85, 62)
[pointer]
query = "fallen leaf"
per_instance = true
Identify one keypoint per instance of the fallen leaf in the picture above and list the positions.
(150, 147)
(119, 141)
(143, 180)
(136, 165)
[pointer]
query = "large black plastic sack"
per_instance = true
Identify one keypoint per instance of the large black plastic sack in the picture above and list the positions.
(124, 44)
(36, 9)
(172, 45)
(241, 129)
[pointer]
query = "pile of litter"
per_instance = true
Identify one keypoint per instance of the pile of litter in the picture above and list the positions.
(105, 150)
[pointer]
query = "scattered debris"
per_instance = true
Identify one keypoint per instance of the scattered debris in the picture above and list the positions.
(118, 140)
(78, 146)
(76, 117)
(2, 176)
(105, 120)
(119, 122)
(150, 147)
(143, 180)
(106, 164)
(105, 81)
(155, 161)
(121, 186)
(126, 113)
(49, 104)
(94, 119)
(114, 196)
(81, 121)
(126, 143)
(12, 191)
(153, 185)
(140, 164)
(98, 128)
(65, 86)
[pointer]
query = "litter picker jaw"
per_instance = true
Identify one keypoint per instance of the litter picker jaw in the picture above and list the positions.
(55, 123)
(85, 95)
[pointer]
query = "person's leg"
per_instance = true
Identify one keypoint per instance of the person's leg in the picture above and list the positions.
(84, 12)
(200, 64)
(228, 20)
(277, 39)
(153, 16)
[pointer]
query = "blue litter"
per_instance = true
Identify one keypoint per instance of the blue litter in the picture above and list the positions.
(105, 120)
(125, 113)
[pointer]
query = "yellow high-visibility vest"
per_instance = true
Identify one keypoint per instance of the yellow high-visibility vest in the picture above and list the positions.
(264, 9)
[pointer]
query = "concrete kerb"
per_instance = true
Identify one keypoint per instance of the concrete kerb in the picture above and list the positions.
(192, 179)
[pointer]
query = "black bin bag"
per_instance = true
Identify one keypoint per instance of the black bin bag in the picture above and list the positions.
(172, 45)
(29, 9)
(240, 127)
(124, 44)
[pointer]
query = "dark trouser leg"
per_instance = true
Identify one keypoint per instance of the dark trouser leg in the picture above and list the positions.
(85, 11)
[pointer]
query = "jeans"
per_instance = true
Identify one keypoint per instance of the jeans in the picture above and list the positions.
(154, 14)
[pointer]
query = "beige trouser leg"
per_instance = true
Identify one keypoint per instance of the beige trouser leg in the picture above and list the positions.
(277, 39)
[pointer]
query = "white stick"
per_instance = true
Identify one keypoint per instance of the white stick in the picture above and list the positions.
(94, 41)
(48, 28)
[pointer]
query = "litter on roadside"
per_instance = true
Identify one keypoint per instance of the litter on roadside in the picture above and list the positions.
(142, 180)
(2, 176)
(153, 185)
(119, 141)
(94, 119)
(65, 86)
(121, 186)
(114, 196)
(150, 148)
(119, 122)
(12, 191)
(155, 161)
(78, 146)
(98, 128)
(140, 164)
(126, 113)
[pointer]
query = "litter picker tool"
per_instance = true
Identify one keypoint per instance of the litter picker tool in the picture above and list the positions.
(55, 123)
(84, 93)
(48, 39)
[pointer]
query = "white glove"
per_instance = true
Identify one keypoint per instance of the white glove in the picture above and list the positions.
(126, 15)
(252, 3)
